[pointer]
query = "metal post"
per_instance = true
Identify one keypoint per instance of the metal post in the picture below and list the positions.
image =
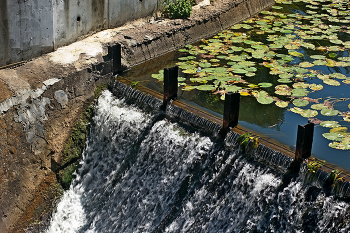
(231, 112)
(114, 53)
(303, 144)
(170, 83)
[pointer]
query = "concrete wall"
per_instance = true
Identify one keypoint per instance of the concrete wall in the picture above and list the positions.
(30, 28)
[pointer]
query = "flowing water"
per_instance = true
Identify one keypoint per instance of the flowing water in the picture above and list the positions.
(144, 172)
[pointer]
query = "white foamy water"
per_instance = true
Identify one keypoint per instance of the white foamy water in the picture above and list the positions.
(140, 173)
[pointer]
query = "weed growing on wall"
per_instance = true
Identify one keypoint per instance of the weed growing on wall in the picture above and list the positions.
(176, 9)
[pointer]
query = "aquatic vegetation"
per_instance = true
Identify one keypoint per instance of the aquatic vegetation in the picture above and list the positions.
(247, 142)
(304, 52)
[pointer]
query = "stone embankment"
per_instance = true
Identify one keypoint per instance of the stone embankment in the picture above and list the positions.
(42, 99)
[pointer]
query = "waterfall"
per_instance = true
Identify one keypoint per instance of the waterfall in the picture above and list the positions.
(142, 171)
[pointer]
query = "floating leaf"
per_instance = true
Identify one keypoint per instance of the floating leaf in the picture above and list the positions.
(282, 104)
(306, 64)
(300, 85)
(309, 113)
(283, 90)
(319, 106)
(265, 84)
(204, 65)
(318, 57)
(300, 92)
(296, 110)
(300, 102)
(233, 89)
(160, 77)
(319, 62)
(316, 87)
(188, 88)
(331, 82)
(330, 124)
(344, 145)
(329, 112)
(206, 87)
(265, 100)
(337, 75)
(190, 71)
(333, 136)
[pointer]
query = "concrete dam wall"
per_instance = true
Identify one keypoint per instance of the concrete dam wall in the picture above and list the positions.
(30, 28)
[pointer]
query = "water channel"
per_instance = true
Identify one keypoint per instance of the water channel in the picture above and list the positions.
(290, 64)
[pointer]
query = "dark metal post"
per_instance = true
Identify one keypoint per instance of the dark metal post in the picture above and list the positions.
(303, 149)
(231, 112)
(114, 53)
(170, 83)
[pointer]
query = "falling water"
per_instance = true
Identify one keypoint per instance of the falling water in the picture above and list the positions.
(144, 172)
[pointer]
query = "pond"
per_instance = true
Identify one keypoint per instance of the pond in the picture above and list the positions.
(290, 64)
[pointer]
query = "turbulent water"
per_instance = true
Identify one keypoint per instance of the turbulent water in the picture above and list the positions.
(144, 173)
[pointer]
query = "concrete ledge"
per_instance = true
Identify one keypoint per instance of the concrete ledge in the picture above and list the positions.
(41, 100)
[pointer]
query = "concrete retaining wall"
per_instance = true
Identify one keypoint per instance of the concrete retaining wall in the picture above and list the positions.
(30, 28)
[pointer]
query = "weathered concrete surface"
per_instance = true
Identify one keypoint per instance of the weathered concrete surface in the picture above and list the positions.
(31, 28)
(42, 99)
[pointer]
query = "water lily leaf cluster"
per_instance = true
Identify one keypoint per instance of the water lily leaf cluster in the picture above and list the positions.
(294, 49)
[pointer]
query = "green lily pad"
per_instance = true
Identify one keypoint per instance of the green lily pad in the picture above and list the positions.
(205, 65)
(299, 92)
(188, 88)
(329, 112)
(233, 88)
(300, 102)
(306, 64)
(330, 124)
(333, 136)
(283, 90)
(206, 87)
(300, 85)
(160, 77)
(331, 82)
(319, 62)
(265, 84)
(344, 145)
(316, 87)
(318, 57)
(282, 104)
(190, 71)
(284, 80)
(265, 99)
(319, 106)
(309, 113)
(296, 110)
(338, 76)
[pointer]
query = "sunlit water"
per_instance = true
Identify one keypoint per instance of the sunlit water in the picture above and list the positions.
(142, 173)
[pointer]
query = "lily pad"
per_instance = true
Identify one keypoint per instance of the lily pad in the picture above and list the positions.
(206, 87)
(300, 102)
(330, 124)
(309, 113)
(282, 104)
(316, 87)
(265, 84)
(333, 136)
(299, 92)
(331, 82)
(329, 112)
(283, 90)
(233, 88)
(319, 106)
